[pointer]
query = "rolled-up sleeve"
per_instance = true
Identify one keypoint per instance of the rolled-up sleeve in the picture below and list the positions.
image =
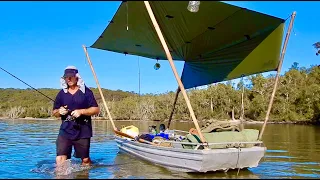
(57, 101)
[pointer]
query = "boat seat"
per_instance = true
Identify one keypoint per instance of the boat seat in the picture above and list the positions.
(246, 135)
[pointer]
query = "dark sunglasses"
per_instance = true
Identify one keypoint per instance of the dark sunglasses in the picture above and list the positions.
(68, 77)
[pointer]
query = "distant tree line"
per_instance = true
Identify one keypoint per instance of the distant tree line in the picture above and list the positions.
(297, 100)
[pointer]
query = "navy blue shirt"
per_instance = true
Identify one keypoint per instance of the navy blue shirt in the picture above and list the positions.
(80, 127)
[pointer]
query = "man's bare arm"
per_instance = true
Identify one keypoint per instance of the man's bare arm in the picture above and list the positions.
(90, 111)
(56, 113)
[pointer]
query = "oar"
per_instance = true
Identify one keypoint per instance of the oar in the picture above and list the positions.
(98, 85)
(104, 101)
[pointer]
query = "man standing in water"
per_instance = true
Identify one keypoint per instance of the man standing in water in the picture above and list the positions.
(75, 104)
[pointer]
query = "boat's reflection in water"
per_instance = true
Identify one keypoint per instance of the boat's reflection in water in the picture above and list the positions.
(138, 168)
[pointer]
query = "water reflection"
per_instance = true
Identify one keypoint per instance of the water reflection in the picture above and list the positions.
(27, 149)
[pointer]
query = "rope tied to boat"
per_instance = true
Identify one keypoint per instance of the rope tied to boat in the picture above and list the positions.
(238, 160)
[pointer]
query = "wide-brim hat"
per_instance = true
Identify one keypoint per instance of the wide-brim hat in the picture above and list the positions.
(70, 71)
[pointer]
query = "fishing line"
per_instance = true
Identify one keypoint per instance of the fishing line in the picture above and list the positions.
(287, 17)
(139, 76)
(292, 27)
(27, 84)
(140, 114)
(127, 16)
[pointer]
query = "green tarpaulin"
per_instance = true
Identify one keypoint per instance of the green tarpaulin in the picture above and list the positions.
(219, 42)
(246, 135)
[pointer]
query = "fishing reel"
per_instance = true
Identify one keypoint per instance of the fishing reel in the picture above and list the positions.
(69, 117)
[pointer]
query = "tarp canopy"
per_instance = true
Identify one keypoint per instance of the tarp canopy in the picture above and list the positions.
(220, 42)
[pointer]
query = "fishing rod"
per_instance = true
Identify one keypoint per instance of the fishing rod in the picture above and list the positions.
(69, 111)
(27, 84)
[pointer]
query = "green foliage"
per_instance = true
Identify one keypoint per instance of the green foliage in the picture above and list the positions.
(297, 99)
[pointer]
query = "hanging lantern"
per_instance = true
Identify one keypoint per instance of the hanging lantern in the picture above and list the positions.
(156, 66)
(193, 6)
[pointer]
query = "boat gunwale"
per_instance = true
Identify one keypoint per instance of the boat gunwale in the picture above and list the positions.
(204, 144)
(194, 151)
(197, 157)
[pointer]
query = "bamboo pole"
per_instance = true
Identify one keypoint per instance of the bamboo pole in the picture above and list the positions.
(174, 105)
(95, 77)
(166, 49)
(278, 74)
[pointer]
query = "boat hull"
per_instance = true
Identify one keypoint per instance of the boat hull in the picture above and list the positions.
(189, 160)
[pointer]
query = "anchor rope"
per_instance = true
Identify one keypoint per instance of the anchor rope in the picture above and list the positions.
(238, 160)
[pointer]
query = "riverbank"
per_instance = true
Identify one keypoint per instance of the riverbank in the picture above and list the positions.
(182, 121)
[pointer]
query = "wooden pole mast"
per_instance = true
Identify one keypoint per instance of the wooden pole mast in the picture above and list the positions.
(166, 49)
(95, 77)
(293, 15)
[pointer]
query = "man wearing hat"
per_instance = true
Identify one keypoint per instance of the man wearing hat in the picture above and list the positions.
(75, 104)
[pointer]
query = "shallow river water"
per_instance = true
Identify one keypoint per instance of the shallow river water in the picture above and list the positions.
(27, 150)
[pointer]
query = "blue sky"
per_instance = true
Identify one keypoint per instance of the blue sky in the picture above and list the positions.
(39, 39)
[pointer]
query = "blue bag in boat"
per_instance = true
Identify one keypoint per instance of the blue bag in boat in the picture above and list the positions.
(163, 135)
